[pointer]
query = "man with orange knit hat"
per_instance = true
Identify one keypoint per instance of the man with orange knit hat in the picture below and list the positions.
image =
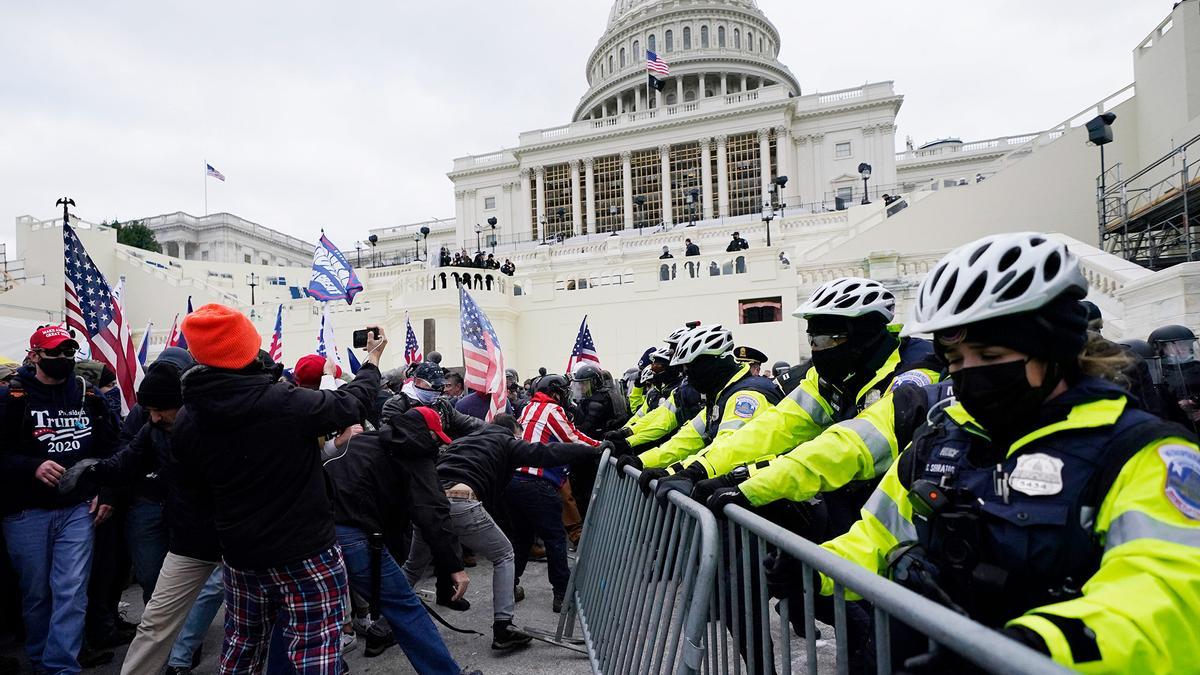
(250, 440)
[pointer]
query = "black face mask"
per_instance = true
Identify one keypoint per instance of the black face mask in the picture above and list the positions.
(706, 375)
(836, 363)
(57, 369)
(1000, 397)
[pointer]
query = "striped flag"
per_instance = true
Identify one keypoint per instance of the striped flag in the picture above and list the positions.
(326, 344)
(175, 337)
(482, 359)
(277, 339)
(412, 348)
(214, 173)
(353, 361)
(94, 309)
(145, 344)
(584, 350)
(332, 276)
(655, 64)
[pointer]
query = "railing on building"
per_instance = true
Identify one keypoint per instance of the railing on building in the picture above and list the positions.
(662, 588)
(229, 220)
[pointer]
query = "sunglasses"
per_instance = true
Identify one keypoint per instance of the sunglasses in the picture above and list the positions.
(64, 352)
(820, 342)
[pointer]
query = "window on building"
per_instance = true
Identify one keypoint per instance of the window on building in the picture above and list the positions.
(670, 40)
(760, 310)
(704, 37)
(204, 255)
(646, 172)
(687, 37)
(277, 281)
(651, 44)
(737, 38)
(750, 40)
(846, 194)
(607, 193)
(558, 198)
(686, 177)
(721, 36)
(842, 150)
(760, 44)
(246, 258)
(622, 59)
(637, 50)
(610, 63)
(489, 202)
(744, 174)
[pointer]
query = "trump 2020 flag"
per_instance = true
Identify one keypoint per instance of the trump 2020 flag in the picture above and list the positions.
(332, 276)
(482, 359)
(326, 344)
(412, 348)
(145, 348)
(584, 350)
(276, 350)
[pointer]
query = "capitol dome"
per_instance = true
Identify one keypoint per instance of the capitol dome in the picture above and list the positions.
(713, 48)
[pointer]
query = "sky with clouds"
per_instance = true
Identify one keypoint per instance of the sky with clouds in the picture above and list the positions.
(347, 115)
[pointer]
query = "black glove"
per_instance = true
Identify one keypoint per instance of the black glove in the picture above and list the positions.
(649, 475)
(705, 488)
(81, 480)
(727, 495)
(628, 460)
(604, 445)
(682, 481)
(623, 432)
(620, 445)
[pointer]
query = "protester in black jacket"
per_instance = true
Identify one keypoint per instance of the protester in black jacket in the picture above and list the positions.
(252, 440)
(474, 470)
(382, 480)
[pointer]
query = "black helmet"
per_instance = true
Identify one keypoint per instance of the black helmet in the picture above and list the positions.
(1139, 347)
(554, 386)
(587, 371)
(779, 367)
(432, 374)
(1172, 333)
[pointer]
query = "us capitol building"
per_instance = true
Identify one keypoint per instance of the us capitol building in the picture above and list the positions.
(731, 142)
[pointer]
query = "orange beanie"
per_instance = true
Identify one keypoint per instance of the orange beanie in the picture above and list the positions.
(221, 337)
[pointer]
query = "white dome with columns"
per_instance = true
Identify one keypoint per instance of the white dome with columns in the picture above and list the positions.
(708, 44)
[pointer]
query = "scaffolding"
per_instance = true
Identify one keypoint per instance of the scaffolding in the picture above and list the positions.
(1152, 218)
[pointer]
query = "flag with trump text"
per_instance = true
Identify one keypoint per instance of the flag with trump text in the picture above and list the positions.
(94, 309)
(276, 349)
(332, 276)
(584, 350)
(326, 344)
(482, 359)
(412, 348)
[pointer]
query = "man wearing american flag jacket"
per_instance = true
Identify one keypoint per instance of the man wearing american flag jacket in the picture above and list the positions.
(532, 498)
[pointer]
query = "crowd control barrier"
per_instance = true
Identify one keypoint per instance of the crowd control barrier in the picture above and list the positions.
(670, 589)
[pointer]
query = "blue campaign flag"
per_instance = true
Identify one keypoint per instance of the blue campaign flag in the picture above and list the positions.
(332, 276)
(353, 361)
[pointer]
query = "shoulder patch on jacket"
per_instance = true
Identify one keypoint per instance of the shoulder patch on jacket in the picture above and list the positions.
(745, 406)
(917, 377)
(1182, 488)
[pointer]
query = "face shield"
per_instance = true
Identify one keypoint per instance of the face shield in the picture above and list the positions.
(581, 389)
(1178, 352)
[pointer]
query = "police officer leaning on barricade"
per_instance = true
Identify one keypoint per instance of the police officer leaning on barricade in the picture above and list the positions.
(662, 417)
(1037, 500)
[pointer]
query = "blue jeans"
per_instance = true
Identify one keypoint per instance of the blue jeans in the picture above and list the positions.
(535, 507)
(146, 533)
(414, 630)
(51, 551)
(201, 616)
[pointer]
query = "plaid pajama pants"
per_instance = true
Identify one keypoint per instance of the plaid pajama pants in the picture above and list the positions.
(309, 596)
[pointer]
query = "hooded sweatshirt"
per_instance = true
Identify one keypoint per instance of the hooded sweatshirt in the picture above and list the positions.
(38, 422)
(252, 440)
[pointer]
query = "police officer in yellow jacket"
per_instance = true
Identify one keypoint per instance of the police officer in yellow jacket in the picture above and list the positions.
(1039, 500)
(732, 397)
(661, 415)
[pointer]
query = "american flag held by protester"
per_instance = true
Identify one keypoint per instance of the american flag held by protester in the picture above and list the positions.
(584, 350)
(276, 349)
(482, 358)
(412, 348)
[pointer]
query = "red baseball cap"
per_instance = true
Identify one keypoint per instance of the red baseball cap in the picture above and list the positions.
(51, 337)
(432, 420)
(309, 369)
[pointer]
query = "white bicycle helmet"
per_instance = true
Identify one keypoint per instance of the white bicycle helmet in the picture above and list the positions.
(849, 297)
(710, 340)
(661, 354)
(995, 276)
(676, 335)
(646, 376)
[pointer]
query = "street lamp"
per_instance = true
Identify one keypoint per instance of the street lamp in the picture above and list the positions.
(640, 203)
(864, 170)
(478, 231)
(492, 221)
(768, 212)
(416, 246)
(373, 240)
(560, 212)
(425, 235)
(542, 222)
(358, 254)
(693, 200)
(252, 280)
(612, 214)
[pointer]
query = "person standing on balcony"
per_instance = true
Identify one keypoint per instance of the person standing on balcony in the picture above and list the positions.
(690, 248)
(666, 254)
(737, 244)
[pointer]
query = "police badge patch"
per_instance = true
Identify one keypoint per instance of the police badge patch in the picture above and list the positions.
(1182, 488)
(1037, 475)
(745, 407)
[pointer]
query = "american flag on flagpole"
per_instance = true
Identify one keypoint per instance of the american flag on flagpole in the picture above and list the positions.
(276, 350)
(584, 350)
(214, 173)
(174, 334)
(412, 348)
(94, 309)
(655, 64)
(145, 348)
(482, 359)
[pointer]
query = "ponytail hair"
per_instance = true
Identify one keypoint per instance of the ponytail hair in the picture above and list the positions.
(1105, 359)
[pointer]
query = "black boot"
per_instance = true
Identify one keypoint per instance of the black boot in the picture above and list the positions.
(505, 636)
(445, 591)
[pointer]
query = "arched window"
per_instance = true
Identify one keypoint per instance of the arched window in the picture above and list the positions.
(622, 57)
(687, 37)
(704, 37)
(737, 38)
(610, 63)
(721, 36)
(637, 51)
(651, 44)
(750, 40)
(670, 39)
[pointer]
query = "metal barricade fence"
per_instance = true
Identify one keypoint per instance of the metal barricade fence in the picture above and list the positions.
(671, 589)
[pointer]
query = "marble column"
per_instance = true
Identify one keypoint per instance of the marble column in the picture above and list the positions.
(820, 178)
(524, 208)
(627, 188)
(678, 90)
(664, 156)
(576, 207)
(700, 87)
(706, 177)
(724, 84)
(589, 193)
(722, 178)
(460, 212)
(604, 108)
(540, 172)
(764, 164)
(784, 164)
(802, 181)
(637, 98)
(506, 209)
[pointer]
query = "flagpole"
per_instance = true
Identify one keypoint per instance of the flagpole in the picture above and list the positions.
(205, 186)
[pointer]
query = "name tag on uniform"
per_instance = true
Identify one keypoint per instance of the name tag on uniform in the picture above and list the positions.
(1037, 475)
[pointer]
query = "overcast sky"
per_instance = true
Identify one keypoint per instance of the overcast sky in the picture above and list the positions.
(347, 115)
